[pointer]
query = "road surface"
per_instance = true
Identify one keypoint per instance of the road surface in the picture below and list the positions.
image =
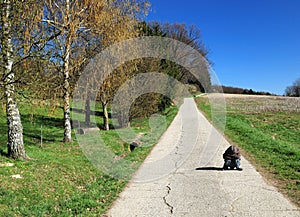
(182, 176)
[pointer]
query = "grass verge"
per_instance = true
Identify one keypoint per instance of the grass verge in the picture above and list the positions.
(60, 180)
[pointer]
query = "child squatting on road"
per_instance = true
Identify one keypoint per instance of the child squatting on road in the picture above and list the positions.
(232, 158)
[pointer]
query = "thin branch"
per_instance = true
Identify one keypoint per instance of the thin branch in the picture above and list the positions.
(53, 24)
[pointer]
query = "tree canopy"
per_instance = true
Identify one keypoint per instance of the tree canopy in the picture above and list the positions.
(46, 45)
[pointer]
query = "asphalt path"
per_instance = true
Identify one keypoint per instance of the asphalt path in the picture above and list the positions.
(182, 176)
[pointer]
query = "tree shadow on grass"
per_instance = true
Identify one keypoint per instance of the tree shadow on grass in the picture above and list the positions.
(3, 153)
(3, 136)
(96, 113)
(35, 127)
(46, 121)
(48, 128)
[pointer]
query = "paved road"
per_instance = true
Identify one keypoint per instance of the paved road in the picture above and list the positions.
(181, 177)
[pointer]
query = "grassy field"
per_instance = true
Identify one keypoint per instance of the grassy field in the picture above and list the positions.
(60, 180)
(267, 129)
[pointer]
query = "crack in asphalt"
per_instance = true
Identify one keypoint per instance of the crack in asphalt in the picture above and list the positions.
(171, 208)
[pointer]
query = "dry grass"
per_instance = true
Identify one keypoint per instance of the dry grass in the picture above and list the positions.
(259, 104)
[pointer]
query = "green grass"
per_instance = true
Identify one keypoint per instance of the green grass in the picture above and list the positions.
(60, 180)
(269, 137)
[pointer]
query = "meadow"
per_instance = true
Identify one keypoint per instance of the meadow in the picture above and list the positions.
(59, 180)
(267, 130)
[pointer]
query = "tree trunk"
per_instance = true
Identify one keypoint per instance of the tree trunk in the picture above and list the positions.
(87, 111)
(67, 116)
(105, 116)
(66, 72)
(15, 142)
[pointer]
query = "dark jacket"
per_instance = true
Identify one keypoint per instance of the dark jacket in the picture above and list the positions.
(232, 153)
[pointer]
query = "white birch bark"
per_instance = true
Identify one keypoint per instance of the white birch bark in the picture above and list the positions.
(15, 142)
(66, 86)
(105, 116)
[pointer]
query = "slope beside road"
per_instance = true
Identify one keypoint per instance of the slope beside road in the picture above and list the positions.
(182, 176)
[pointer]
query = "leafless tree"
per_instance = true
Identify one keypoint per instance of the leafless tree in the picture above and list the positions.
(293, 90)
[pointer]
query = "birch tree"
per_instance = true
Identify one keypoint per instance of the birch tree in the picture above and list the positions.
(69, 19)
(74, 20)
(16, 22)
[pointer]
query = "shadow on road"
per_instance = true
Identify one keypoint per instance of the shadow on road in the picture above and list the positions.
(210, 168)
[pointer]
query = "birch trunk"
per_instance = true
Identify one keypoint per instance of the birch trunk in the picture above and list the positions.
(67, 114)
(15, 142)
(66, 86)
(105, 116)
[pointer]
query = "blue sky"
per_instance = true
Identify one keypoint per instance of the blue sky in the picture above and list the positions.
(252, 43)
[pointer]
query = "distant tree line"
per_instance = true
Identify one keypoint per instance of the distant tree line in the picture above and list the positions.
(293, 90)
(237, 90)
